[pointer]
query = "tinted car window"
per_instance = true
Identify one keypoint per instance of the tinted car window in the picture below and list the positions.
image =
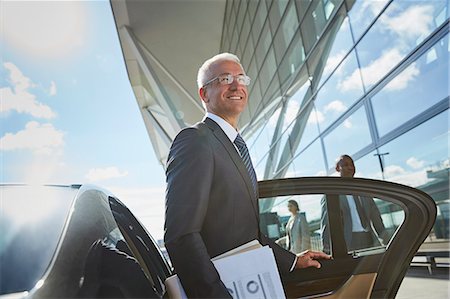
(31, 223)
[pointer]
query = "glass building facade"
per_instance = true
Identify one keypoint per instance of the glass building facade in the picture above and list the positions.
(367, 78)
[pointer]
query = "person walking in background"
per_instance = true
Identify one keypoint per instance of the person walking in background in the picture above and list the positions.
(363, 226)
(297, 231)
(212, 190)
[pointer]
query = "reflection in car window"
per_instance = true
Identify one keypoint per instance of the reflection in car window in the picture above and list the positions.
(32, 220)
(293, 221)
(301, 222)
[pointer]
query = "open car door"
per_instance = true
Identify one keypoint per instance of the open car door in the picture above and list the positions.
(371, 228)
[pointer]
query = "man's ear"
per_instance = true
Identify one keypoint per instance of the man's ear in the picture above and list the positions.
(202, 94)
(338, 169)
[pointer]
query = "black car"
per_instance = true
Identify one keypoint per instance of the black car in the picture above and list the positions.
(82, 242)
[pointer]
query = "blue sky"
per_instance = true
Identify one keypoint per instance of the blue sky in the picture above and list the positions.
(68, 112)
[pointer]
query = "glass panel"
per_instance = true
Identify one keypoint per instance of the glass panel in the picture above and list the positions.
(420, 86)
(313, 24)
(309, 162)
(248, 54)
(267, 70)
(243, 41)
(369, 223)
(286, 32)
(263, 44)
(362, 13)
(340, 91)
(349, 137)
(420, 158)
(391, 37)
(311, 130)
(241, 14)
(366, 167)
(258, 151)
(234, 40)
(292, 60)
(260, 18)
(340, 46)
(252, 6)
(302, 7)
(276, 11)
(295, 229)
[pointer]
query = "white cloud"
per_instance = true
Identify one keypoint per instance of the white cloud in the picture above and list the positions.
(414, 163)
(348, 124)
(100, 174)
(19, 98)
(414, 22)
(40, 138)
(373, 72)
(51, 29)
(335, 106)
(290, 114)
(399, 175)
(402, 80)
(318, 118)
(52, 90)
(332, 62)
(394, 170)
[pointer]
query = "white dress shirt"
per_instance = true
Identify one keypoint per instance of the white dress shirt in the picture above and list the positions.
(232, 134)
(356, 220)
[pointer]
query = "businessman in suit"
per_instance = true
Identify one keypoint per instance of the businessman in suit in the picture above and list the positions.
(361, 219)
(212, 191)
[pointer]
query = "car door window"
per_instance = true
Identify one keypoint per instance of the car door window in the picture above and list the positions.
(369, 227)
(142, 245)
(293, 221)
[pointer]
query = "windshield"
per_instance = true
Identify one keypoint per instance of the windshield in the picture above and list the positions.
(32, 219)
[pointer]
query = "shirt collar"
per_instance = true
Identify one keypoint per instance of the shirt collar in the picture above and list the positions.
(224, 125)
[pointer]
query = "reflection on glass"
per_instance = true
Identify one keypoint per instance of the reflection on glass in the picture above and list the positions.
(342, 89)
(293, 222)
(391, 37)
(260, 18)
(313, 24)
(362, 13)
(340, 46)
(368, 167)
(263, 44)
(311, 130)
(368, 223)
(309, 162)
(276, 11)
(420, 159)
(258, 145)
(421, 85)
(286, 31)
(267, 70)
(32, 221)
(349, 137)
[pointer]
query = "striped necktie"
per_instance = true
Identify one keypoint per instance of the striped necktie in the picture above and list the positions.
(243, 150)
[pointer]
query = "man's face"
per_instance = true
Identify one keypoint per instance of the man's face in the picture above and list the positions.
(227, 100)
(346, 167)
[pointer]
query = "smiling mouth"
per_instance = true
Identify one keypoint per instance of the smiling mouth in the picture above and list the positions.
(235, 98)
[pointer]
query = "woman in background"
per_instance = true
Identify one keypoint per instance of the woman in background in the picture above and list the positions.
(297, 230)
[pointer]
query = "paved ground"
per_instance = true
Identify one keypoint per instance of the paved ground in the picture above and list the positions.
(419, 284)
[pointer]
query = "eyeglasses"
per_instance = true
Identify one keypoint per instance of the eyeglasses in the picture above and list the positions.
(227, 79)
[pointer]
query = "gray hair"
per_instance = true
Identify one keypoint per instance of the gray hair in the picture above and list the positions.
(203, 71)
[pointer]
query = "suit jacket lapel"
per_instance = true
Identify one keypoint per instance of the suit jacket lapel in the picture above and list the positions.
(235, 157)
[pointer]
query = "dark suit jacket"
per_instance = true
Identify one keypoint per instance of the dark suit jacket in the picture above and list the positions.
(210, 208)
(370, 213)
